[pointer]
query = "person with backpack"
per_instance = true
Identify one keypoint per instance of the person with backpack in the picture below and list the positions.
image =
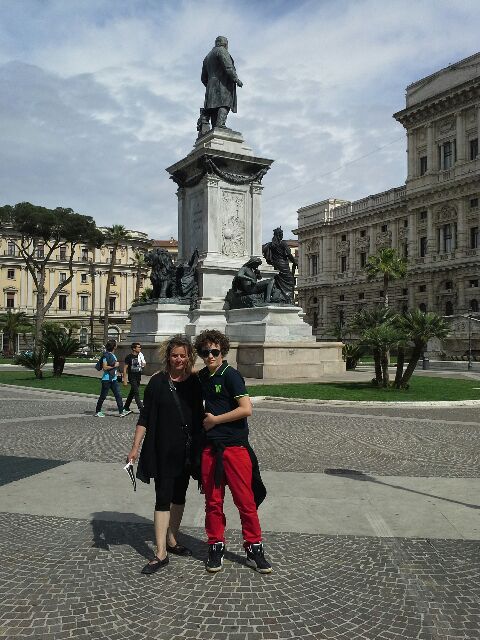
(109, 364)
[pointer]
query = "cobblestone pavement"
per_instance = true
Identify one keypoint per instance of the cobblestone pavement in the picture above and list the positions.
(73, 578)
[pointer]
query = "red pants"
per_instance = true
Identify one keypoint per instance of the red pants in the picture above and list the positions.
(237, 468)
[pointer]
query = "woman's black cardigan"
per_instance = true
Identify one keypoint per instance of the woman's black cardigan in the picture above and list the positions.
(163, 450)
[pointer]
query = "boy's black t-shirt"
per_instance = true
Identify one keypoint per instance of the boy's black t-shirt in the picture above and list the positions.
(220, 391)
(133, 366)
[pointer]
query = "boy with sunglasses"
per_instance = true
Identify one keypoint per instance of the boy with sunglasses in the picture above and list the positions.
(227, 457)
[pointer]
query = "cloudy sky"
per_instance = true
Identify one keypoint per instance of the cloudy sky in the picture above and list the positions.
(99, 96)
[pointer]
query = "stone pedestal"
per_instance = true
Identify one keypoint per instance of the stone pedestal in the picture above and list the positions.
(268, 324)
(290, 361)
(219, 213)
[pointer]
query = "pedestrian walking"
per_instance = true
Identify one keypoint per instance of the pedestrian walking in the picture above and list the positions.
(109, 381)
(169, 425)
(227, 457)
(132, 374)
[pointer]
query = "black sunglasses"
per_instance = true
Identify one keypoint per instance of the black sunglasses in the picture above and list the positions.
(204, 353)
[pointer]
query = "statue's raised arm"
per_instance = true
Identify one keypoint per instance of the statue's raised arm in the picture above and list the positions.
(220, 79)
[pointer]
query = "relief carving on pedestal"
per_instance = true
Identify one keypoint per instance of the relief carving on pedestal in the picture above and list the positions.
(195, 217)
(233, 225)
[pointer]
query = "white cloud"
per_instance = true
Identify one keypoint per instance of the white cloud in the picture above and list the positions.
(99, 96)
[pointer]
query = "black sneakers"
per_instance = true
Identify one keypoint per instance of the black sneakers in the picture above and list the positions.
(215, 557)
(256, 558)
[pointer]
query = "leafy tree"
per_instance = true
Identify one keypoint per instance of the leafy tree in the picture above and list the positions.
(113, 237)
(70, 326)
(59, 345)
(38, 233)
(389, 266)
(145, 295)
(14, 323)
(351, 354)
(420, 327)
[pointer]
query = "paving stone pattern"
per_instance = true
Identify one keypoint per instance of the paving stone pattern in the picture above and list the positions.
(68, 578)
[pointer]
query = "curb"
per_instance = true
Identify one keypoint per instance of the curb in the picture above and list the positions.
(369, 403)
(57, 391)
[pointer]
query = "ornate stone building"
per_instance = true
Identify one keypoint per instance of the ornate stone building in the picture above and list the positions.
(83, 299)
(433, 220)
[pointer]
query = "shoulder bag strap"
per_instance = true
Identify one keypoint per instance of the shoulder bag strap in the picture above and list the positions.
(185, 428)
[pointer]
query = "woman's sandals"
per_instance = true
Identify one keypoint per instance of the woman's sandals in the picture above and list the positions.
(154, 565)
(179, 550)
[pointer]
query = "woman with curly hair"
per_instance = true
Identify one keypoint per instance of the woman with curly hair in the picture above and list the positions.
(169, 426)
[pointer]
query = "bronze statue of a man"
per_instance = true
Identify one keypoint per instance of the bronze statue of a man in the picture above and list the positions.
(220, 79)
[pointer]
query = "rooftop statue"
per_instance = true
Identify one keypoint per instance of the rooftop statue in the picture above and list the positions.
(220, 79)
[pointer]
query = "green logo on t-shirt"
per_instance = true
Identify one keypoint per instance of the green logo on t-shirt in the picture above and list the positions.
(218, 388)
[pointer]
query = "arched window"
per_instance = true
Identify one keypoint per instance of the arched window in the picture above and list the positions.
(423, 307)
(474, 306)
(449, 309)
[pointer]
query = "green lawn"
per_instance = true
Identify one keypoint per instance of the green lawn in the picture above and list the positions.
(67, 382)
(421, 388)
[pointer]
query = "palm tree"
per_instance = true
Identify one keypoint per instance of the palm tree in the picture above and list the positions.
(14, 323)
(60, 346)
(381, 339)
(420, 327)
(140, 265)
(387, 264)
(369, 320)
(114, 237)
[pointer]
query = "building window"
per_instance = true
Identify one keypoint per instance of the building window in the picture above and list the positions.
(342, 297)
(83, 278)
(111, 304)
(63, 253)
(448, 158)
(63, 276)
(474, 149)
(405, 250)
(423, 215)
(422, 288)
(405, 223)
(62, 303)
(315, 319)
(449, 308)
(473, 203)
(40, 251)
(313, 266)
(11, 249)
(361, 296)
(113, 280)
(381, 294)
(474, 238)
(84, 253)
(423, 246)
(404, 292)
(11, 274)
(423, 307)
(473, 283)
(363, 260)
(448, 285)
(344, 237)
(363, 233)
(474, 306)
(83, 303)
(384, 228)
(10, 300)
(343, 264)
(423, 165)
(83, 338)
(447, 238)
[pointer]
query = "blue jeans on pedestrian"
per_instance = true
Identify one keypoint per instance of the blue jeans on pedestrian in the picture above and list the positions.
(106, 385)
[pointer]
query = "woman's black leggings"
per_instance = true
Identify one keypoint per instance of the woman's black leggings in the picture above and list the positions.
(170, 490)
